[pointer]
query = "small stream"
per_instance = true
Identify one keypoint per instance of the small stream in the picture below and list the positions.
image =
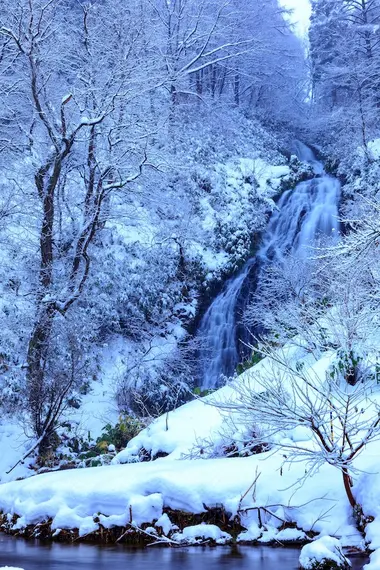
(303, 214)
(35, 555)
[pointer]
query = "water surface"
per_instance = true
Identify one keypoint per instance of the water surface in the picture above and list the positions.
(34, 555)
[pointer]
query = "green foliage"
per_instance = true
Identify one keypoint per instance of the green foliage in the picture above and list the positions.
(247, 364)
(347, 366)
(377, 373)
(120, 434)
(201, 393)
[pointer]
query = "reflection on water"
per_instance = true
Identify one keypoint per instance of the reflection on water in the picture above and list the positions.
(33, 555)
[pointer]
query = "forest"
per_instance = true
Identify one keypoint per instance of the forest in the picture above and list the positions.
(190, 269)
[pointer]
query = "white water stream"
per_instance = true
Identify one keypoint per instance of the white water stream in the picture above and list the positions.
(303, 213)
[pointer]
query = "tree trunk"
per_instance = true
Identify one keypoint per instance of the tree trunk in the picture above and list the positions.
(348, 487)
(36, 360)
(237, 89)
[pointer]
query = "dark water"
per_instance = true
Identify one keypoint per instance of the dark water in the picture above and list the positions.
(33, 555)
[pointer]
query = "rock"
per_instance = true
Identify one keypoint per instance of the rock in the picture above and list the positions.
(324, 554)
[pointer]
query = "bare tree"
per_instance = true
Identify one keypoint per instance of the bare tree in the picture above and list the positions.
(342, 419)
(79, 161)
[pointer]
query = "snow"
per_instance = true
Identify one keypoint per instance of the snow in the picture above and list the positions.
(10, 568)
(165, 523)
(14, 443)
(266, 175)
(203, 423)
(193, 534)
(374, 148)
(290, 535)
(368, 495)
(137, 493)
(130, 492)
(191, 479)
(177, 432)
(325, 548)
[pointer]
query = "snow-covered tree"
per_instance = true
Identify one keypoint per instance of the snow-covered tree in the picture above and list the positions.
(72, 121)
(344, 51)
(319, 324)
(109, 245)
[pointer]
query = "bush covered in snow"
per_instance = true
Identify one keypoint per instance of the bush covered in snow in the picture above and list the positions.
(324, 554)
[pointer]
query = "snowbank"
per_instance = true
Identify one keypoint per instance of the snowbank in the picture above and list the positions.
(14, 443)
(374, 563)
(368, 495)
(178, 432)
(374, 148)
(200, 427)
(138, 493)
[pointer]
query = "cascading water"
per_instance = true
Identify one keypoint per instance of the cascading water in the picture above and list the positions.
(302, 214)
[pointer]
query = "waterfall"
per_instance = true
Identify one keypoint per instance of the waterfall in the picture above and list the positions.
(302, 214)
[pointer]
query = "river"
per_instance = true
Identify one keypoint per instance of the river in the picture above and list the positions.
(35, 555)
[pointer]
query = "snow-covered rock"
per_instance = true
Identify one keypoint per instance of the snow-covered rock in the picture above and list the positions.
(323, 554)
(164, 523)
(201, 532)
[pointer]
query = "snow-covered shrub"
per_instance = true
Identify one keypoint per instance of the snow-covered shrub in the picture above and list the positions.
(157, 385)
(323, 554)
(331, 302)
(299, 171)
(349, 366)
(119, 434)
(232, 441)
(202, 533)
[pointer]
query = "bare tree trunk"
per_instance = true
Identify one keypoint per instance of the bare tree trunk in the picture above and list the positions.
(200, 82)
(46, 181)
(348, 487)
(36, 360)
(237, 89)
(213, 81)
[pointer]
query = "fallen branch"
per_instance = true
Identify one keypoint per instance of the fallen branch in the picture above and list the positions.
(158, 539)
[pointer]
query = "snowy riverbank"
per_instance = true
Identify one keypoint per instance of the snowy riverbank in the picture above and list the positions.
(265, 498)
(139, 493)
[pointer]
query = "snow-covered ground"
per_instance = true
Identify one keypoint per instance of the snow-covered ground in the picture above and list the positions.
(73, 499)
(137, 493)
(266, 490)
(14, 443)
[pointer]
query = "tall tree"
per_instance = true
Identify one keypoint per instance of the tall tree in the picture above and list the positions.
(344, 47)
(71, 116)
